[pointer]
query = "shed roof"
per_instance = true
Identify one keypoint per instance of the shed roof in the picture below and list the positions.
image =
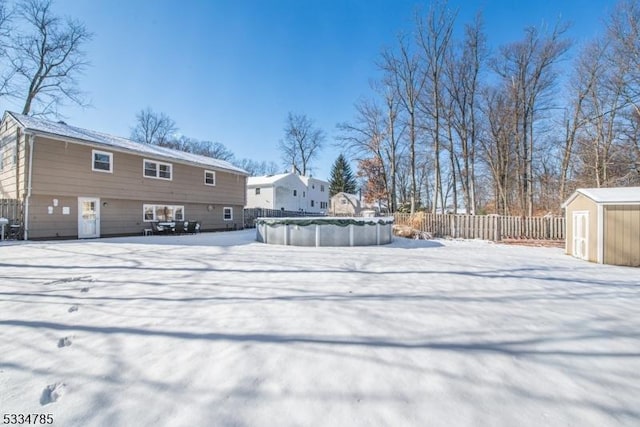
(608, 195)
(61, 129)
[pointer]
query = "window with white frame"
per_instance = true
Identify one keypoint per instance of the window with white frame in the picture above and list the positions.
(227, 214)
(322, 188)
(210, 178)
(162, 213)
(159, 170)
(257, 191)
(102, 161)
(295, 193)
(312, 203)
(8, 152)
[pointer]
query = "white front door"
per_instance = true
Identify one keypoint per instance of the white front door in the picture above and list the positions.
(581, 234)
(88, 217)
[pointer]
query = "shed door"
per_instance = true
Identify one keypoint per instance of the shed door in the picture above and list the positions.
(581, 234)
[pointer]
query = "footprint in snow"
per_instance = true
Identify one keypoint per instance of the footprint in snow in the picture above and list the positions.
(73, 308)
(52, 393)
(64, 342)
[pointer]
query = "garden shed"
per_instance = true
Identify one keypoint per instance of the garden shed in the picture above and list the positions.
(603, 225)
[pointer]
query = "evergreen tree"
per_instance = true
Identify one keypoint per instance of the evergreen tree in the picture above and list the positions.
(342, 178)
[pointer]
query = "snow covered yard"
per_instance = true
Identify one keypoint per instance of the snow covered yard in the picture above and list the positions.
(216, 329)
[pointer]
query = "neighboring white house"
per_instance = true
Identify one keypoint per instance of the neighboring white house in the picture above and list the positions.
(289, 192)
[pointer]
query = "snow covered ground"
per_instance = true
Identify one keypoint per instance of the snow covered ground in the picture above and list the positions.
(216, 329)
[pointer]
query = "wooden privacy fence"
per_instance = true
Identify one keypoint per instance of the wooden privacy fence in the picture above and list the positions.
(486, 227)
(250, 215)
(10, 209)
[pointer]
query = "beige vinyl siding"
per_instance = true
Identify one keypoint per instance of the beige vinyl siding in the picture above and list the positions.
(622, 235)
(582, 203)
(117, 216)
(65, 169)
(12, 183)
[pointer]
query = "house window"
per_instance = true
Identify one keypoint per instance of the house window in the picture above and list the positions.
(8, 151)
(295, 193)
(322, 188)
(312, 203)
(304, 194)
(102, 161)
(323, 205)
(227, 214)
(209, 178)
(343, 201)
(159, 170)
(257, 191)
(162, 213)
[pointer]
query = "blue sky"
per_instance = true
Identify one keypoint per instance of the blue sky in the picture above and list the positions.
(231, 70)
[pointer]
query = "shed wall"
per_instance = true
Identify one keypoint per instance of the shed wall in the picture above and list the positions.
(622, 235)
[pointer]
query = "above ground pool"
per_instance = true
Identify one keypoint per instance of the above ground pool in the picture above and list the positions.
(324, 231)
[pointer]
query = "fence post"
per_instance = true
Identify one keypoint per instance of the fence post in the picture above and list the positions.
(497, 229)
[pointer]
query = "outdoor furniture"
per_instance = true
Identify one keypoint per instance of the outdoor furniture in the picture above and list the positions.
(159, 229)
(180, 227)
(193, 227)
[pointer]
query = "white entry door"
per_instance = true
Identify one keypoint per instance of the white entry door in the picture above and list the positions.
(88, 217)
(581, 234)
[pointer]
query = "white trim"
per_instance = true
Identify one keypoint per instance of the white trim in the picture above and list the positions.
(600, 236)
(224, 213)
(93, 161)
(158, 164)
(214, 178)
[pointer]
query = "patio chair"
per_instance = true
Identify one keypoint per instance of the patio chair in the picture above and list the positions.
(180, 227)
(193, 227)
(158, 229)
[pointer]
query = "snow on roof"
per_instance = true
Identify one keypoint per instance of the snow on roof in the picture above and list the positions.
(608, 195)
(267, 179)
(352, 197)
(48, 127)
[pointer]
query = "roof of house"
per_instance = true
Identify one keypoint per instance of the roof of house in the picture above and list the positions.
(271, 179)
(608, 195)
(60, 129)
(267, 179)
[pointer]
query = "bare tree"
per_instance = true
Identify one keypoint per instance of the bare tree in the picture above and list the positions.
(302, 142)
(528, 65)
(366, 138)
(463, 86)
(48, 58)
(434, 38)
(6, 29)
(256, 168)
(153, 128)
(403, 77)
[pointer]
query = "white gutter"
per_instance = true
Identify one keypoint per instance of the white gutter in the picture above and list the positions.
(26, 199)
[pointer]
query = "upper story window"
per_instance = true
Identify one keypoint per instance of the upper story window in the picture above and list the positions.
(295, 193)
(102, 161)
(209, 178)
(322, 188)
(257, 191)
(155, 169)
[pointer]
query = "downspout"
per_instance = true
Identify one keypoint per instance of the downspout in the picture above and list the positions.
(28, 196)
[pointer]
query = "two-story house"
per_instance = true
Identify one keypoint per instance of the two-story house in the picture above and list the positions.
(78, 183)
(288, 192)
